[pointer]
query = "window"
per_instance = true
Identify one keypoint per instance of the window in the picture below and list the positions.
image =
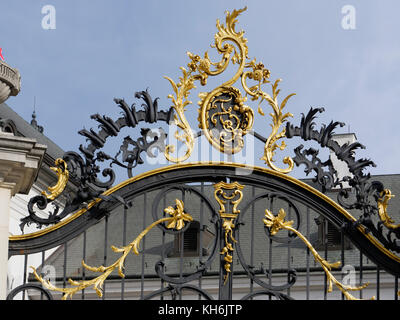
(329, 236)
(191, 241)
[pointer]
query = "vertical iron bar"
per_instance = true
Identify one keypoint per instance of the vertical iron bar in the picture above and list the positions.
(41, 293)
(289, 245)
(271, 205)
(84, 259)
(396, 288)
(181, 248)
(326, 255)
(65, 264)
(105, 252)
(163, 244)
(144, 246)
(377, 283)
(25, 270)
(361, 273)
(308, 255)
(124, 244)
(342, 252)
(201, 231)
(252, 239)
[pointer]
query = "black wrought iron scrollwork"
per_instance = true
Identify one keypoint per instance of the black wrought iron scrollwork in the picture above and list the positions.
(41, 202)
(29, 286)
(108, 128)
(364, 193)
(176, 290)
(326, 179)
(268, 289)
(203, 266)
(132, 157)
(267, 293)
(84, 170)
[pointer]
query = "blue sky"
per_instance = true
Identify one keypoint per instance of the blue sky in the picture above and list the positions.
(106, 49)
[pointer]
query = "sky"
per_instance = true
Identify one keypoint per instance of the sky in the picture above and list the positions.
(101, 50)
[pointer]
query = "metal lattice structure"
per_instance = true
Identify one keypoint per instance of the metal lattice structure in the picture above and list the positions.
(210, 230)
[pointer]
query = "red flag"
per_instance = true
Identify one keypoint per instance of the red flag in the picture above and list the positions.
(1, 55)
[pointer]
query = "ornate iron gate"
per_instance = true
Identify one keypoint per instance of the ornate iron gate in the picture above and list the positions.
(210, 230)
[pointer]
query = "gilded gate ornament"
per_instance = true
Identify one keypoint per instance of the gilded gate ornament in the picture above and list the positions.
(176, 221)
(63, 175)
(223, 116)
(228, 192)
(276, 223)
(382, 203)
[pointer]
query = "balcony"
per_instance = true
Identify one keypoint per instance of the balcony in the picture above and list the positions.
(10, 81)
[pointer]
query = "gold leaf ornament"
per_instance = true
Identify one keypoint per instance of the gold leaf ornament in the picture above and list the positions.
(176, 221)
(276, 223)
(382, 203)
(63, 175)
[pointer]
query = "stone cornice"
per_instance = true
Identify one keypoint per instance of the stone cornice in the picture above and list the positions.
(20, 159)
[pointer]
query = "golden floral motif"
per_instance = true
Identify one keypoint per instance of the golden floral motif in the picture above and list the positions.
(175, 221)
(276, 223)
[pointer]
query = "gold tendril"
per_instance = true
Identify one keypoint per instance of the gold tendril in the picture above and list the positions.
(175, 221)
(261, 75)
(276, 223)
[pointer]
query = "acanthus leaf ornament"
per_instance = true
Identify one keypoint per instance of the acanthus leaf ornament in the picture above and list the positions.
(260, 74)
(63, 175)
(276, 223)
(382, 203)
(200, 69)
(179, 102)
(223, 117)
(176, 221)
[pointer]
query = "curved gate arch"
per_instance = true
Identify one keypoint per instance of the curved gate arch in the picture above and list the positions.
(200, 179)
(217, 230)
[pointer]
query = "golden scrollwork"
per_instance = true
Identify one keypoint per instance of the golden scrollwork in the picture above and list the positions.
(180, 101)
(234, 196)
(276, 223)
(199, 70)
(226, 102)
(63, 175)
(260, 74)
(382, 202)
(176, 221)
